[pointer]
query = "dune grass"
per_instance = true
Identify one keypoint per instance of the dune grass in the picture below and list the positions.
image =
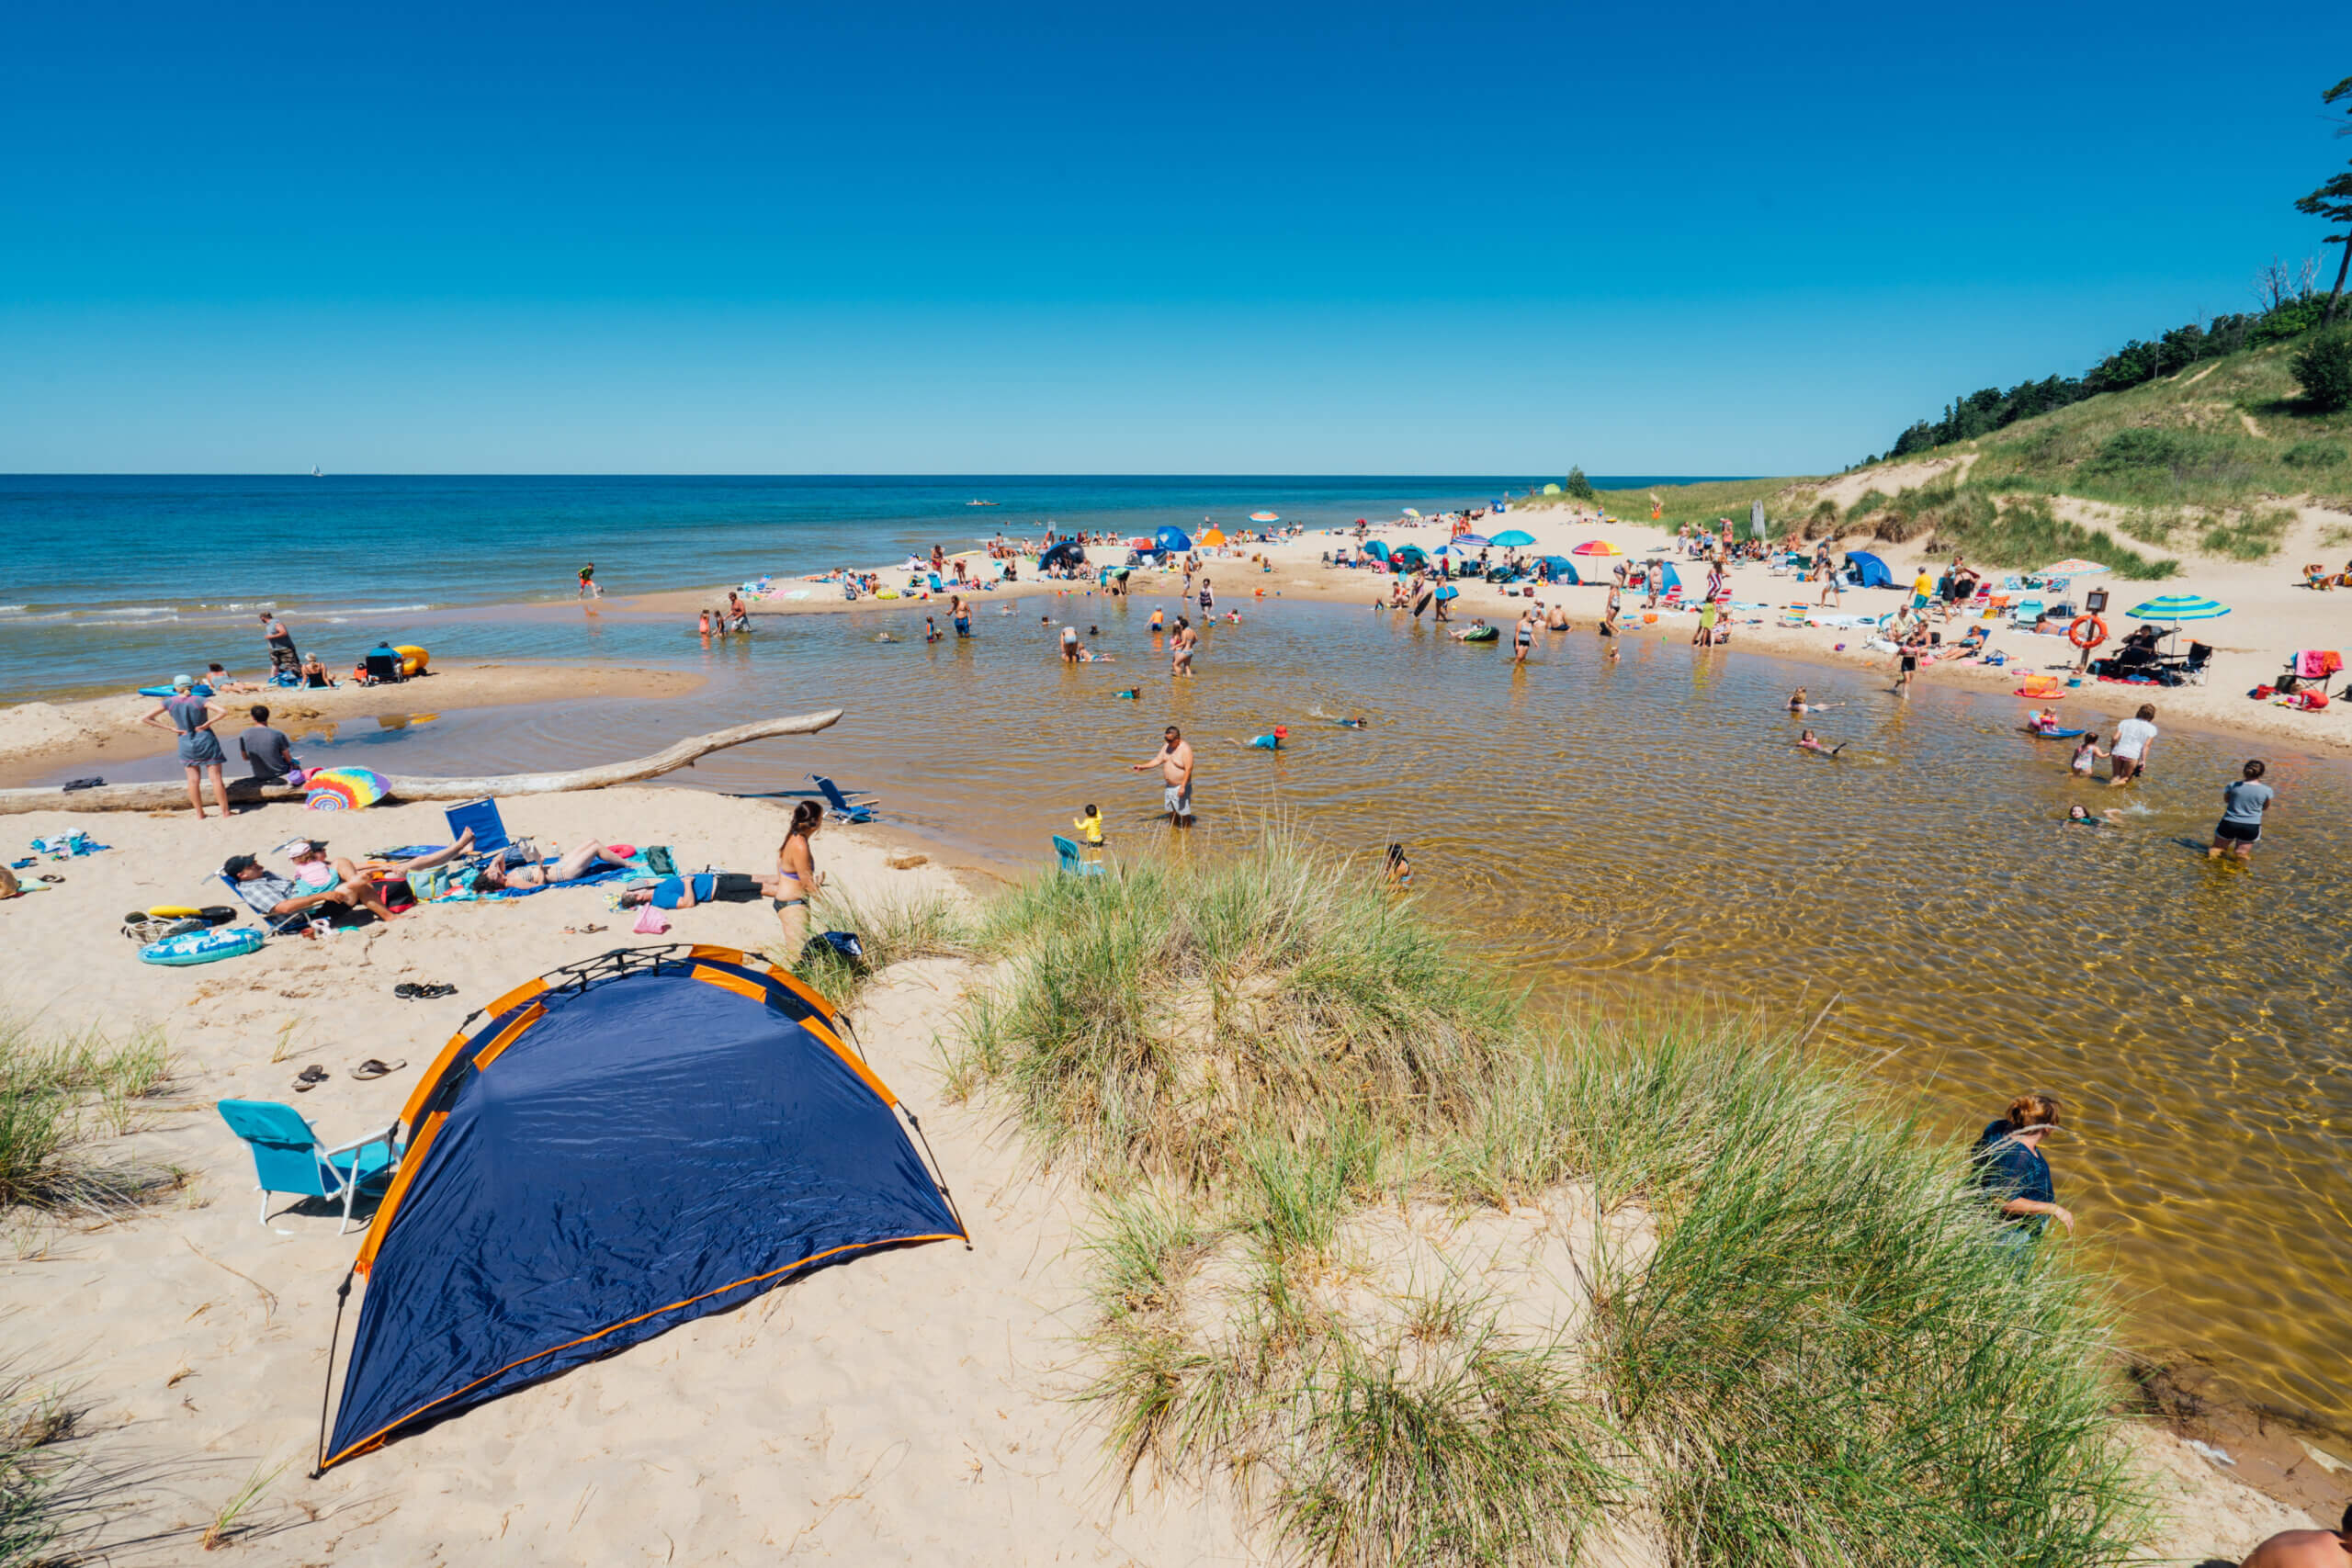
(891, 930)
(57, 1096)
(1824, 1358)
(39, 1501)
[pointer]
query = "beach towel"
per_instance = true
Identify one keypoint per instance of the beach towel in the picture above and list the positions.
(2311, 664)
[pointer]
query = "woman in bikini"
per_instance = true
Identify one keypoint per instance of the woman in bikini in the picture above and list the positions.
(798, 877)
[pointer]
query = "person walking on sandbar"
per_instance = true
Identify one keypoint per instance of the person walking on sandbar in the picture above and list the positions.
(1174, 762)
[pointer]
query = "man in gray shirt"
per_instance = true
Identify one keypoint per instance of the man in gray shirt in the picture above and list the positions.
(2243, 801)
(268, 750)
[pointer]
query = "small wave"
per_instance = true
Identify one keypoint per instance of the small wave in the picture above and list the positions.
(149, 611)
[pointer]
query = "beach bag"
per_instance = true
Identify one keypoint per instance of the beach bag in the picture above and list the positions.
(843, 945)
(650, 921)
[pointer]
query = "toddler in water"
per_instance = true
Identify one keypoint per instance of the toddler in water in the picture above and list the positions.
(2087, 756)
(1809, 741)
(1090, 825)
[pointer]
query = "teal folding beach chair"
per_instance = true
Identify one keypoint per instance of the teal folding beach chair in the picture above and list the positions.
(288, 1158)
(1067, 854)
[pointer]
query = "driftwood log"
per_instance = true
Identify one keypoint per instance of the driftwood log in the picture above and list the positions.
(166, 793)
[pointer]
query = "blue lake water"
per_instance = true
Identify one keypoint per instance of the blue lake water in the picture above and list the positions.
(115, 580)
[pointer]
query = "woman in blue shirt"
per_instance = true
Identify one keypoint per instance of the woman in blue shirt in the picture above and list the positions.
(2010, 1167)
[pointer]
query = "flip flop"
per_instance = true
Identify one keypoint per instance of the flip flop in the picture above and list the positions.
(309, 1077)
(372, 1069)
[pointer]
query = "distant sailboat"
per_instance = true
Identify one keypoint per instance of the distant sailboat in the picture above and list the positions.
(314, 472)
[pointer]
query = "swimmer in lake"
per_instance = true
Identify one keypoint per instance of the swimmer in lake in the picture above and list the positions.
(1396, 870)
(1800, 703)
(1132, 693)
(1354, 721)
(1273, 743)
(2081, 816)
(1809, 741)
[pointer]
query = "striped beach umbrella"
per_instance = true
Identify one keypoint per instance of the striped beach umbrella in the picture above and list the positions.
(2179, 608)
(1472, 541)
(1263, 517)
(1596, 548)
(2077, 568)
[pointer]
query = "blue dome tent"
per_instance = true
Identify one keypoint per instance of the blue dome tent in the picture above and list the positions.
(1173, 541)
(1866, 570)
(1563, 568)
(604, 1153)
(1068, 553)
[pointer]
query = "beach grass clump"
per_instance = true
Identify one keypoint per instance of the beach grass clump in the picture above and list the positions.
(40, 1498)
(1828, 1358)
(57, 1095)
(890, 930)
(1791, 1339)
(1159, 1018)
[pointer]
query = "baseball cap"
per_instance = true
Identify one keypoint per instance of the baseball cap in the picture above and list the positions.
(237, 863)
(182, 683)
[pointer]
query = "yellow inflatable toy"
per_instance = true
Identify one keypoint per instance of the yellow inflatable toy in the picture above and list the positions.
(412, 659)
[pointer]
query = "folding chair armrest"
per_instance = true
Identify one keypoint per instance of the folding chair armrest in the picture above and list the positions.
(390, 1137)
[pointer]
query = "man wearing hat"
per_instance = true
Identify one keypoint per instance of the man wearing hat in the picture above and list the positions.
(335, 889)
(192, 717)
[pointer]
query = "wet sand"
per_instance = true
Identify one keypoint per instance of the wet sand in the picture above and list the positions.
(38, 740)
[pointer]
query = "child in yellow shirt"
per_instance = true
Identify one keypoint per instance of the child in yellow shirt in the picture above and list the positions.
(1090, 827)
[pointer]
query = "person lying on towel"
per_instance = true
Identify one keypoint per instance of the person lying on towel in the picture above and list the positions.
(705, 888)
(584, 861)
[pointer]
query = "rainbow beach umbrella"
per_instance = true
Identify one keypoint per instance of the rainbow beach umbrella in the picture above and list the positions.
(345, 789)
(1596, 548)
(2076, 567)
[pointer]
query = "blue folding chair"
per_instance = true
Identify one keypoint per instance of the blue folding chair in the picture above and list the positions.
(288, 1158)
(481, 815)
(1067, 853)
(845, 809)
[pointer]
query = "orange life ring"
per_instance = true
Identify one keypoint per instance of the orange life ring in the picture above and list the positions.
(2097, 632)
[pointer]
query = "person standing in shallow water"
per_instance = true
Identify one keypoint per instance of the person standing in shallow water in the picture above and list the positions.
(2243, 802)
(1174, 762)
(2010, 1168)
(2306, 1549)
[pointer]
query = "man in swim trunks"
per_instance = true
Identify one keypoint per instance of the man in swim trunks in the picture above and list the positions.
(588, 589)
(1181, 648)
(1174, 762)
(192, 716)
(1069, 645)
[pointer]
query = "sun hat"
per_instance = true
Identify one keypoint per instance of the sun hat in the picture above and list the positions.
(299, 847)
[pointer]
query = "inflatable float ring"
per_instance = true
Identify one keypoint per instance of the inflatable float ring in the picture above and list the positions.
(2087, 632)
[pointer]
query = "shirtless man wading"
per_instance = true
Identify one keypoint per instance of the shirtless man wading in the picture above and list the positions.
(1175, 764)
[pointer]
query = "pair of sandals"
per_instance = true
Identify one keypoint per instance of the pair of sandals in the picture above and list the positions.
(410, 992)
(311, 1077)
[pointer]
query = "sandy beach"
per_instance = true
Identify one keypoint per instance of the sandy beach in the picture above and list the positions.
(913, 1406)
(2272, 614)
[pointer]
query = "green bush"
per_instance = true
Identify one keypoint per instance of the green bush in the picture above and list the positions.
(2324, 367)
(1577, 485)
(2314, 454)
(2138, 448)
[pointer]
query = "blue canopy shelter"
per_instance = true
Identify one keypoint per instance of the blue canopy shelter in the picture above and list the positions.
(1669, 578)
(604, 1153)
(1408, 556)
(1563, 568)
(1175, 541)
(1376, 549)
(1867, 570)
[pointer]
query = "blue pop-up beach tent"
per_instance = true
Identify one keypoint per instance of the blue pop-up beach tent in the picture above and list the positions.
(1174, 541)
(614, 1149)
(1868, 570)
(1563, 568)
(1376, 549)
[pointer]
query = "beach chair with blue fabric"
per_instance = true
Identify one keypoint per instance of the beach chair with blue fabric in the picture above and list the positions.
(1072, 861)
(847, 809)
(288, 1158)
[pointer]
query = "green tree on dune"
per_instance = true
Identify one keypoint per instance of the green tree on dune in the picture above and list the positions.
(2332, 201)
(1577, 485)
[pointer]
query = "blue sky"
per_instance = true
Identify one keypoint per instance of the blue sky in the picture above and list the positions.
(760, 238)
